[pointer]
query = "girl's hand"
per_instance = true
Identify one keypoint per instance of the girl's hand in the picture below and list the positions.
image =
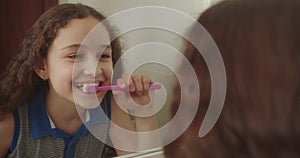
(138, 89)
(132, 109)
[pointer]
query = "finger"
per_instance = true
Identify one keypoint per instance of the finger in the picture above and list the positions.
(138, 84)
(146, 84)
(131, 85)
(121, 95)
(121, 83)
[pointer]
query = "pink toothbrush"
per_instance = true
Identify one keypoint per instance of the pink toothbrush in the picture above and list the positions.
(92, 89)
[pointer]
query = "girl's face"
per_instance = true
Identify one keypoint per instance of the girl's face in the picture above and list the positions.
(72, 63)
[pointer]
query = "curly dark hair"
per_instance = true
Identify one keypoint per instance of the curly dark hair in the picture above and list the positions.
(19, 82)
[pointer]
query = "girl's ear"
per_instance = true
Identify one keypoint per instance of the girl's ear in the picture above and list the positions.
(41, 70)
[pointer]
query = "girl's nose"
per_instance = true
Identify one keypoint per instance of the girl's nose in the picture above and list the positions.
(93, 69)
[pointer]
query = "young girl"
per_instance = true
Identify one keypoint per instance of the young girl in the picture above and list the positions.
(38, 113)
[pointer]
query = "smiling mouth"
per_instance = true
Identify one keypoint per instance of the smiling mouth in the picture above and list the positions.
(83, 86)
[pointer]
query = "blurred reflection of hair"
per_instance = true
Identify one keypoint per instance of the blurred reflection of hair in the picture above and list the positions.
(259, 43)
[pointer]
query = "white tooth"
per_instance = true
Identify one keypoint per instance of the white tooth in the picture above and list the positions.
(83, 86)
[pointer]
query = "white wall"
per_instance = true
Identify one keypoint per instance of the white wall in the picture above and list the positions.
(109, 7)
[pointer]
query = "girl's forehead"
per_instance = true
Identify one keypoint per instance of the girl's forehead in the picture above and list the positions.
(87, 31)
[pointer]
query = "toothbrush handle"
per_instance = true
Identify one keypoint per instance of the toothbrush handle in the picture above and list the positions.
(153, 86)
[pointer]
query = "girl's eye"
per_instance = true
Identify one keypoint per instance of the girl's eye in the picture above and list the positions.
(75, 56)
(105, 56)
(106, 53)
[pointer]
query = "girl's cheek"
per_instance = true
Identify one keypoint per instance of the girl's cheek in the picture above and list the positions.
(109, 73)
(109, 69)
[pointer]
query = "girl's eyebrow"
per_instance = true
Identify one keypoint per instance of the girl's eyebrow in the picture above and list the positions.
(76, 46)
(105, 46)
(72, 46)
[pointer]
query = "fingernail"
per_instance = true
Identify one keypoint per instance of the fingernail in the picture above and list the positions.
(123, 85)
(132, 89)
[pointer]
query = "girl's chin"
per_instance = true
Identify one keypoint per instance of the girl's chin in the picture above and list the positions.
(87, 105)
(89, 101)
